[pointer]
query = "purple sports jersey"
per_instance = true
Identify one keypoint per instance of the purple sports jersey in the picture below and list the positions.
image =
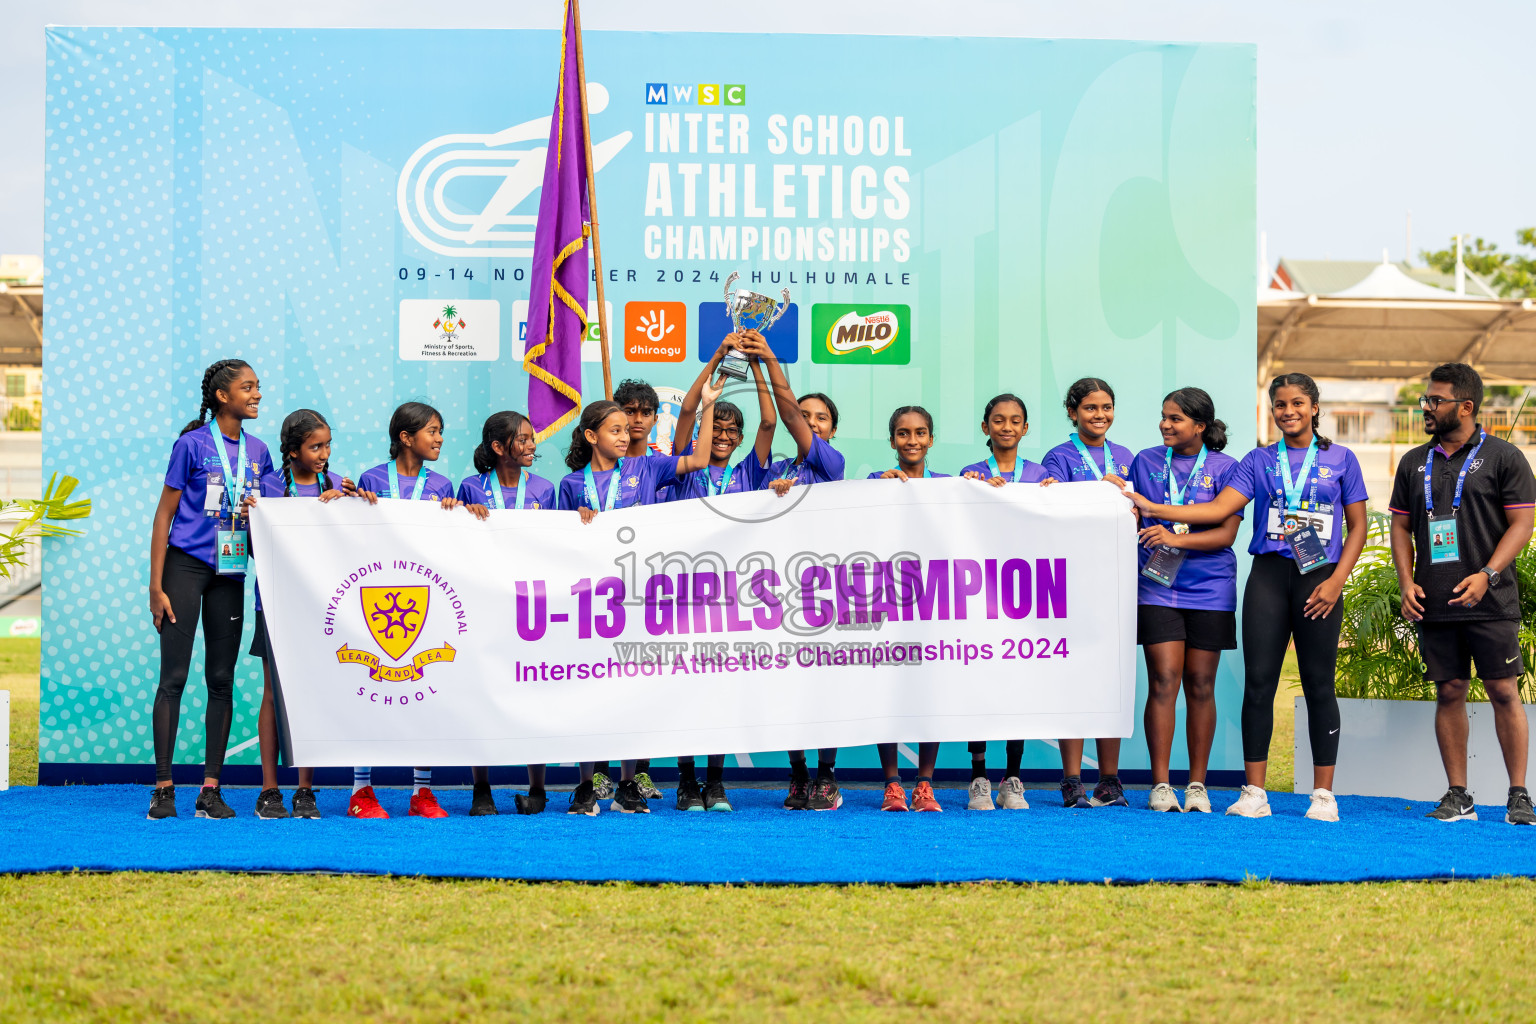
(377, 481)
(193, 460)
(881, 473)
(692, 485)
(1208, 579)
(1029, 472)
(537, 493)
(822, 464)
(1337, 480)
(639, 482)
(1065, 462)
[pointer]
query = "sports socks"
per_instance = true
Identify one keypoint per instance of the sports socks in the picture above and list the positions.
(362, 778)
(421, 778)
(686, 770)
(714, 771)
(978, 766)
(1015, 751)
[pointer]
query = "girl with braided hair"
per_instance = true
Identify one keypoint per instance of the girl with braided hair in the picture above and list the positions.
(215, 468)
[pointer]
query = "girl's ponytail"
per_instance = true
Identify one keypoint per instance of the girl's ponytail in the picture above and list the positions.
(215, 379)
(499, 426)
(484, 459)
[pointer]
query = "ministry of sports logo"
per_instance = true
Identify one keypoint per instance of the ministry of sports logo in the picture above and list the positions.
(469, 194)
(396, 618)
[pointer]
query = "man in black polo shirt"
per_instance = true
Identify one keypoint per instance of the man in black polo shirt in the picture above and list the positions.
(1453, 551)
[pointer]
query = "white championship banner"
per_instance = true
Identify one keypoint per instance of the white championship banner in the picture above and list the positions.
(843, 614)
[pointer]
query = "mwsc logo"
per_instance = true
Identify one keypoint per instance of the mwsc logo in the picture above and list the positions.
(704, 94)
(861, 333)
(468, 195)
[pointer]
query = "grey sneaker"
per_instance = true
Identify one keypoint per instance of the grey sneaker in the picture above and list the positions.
(1519, 810)
(602, 786)
(1323, 807)
(1010, 794)
(1252, 802)
(981, 795)
(1196, 798)
(647, 787)
(1162, 798)
(1456, 805)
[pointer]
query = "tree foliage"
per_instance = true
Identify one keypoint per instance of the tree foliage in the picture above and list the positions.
(1512, 274)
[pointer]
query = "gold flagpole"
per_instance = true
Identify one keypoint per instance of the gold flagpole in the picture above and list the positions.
(597, 248)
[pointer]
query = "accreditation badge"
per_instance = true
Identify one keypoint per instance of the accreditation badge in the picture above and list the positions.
(1443, 547)
(1306, 546)
(1164, 565)
(232, 551)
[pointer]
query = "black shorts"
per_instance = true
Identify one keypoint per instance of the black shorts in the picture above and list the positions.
(1197, 628)
(1448, 649)
(259, 641)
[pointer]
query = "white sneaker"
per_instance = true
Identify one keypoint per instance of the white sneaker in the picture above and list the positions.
(1324, 806)
(1010, 795)
(981, 795)
(1162, 798)
(1196, 798)
(1253, 802)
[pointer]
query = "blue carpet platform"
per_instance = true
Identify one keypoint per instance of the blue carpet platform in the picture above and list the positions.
(103, 828)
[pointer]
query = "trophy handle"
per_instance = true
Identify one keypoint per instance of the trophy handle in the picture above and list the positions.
(779, 311)
(728, 282)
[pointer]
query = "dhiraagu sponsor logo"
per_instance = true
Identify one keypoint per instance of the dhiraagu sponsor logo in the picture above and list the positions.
(876, 332)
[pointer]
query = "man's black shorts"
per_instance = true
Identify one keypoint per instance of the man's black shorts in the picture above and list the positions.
(1198, 628)
(1448, 649)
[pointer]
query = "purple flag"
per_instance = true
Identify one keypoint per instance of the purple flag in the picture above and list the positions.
(557, 299)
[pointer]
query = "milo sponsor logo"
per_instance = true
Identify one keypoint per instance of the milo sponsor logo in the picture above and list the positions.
(857, 333)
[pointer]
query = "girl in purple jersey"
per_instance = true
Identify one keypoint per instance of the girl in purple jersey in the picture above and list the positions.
(1089, 455)
(415, 439)
(1004, 423)
(720, 477)
(305, 443)
(603, 479)
(502, 459)
(215, 467)
(1301, 558)
(1187, 592)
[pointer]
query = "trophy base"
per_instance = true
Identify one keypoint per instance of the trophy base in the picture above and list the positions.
(736, 369)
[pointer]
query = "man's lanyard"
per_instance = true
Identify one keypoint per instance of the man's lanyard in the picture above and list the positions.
(1293, 488)
(229, 474)
(1177, 497)
(421, 482)
(1429, 481)
(709, 482)
(1082, 449)
(1018, 467)
(590, 486)
(492, 484)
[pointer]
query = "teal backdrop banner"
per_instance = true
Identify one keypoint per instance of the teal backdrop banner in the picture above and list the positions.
(952, 217)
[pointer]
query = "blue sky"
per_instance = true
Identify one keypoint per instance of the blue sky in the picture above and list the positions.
(1367, 109)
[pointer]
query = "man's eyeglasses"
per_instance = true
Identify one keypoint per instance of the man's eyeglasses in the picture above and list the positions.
(1429, 403)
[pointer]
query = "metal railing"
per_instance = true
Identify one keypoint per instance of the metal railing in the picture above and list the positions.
(1408, 424)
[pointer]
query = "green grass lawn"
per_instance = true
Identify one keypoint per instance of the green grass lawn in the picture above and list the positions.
(214, 947)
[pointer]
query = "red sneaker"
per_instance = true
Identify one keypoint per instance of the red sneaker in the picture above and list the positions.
(923, 798)
(424, 805)
(365, 805)
(895, 797)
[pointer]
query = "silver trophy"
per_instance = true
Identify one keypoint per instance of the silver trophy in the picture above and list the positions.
(749, 311)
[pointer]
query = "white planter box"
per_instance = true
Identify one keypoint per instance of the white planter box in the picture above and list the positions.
(1387, 748)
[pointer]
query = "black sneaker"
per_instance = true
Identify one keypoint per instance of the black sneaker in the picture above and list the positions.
(482, 802)
(825, 796)
(688, 796)
(1456, 805)
(269, 804)
(1073, 793)
(530, 802)
(1108, 793)
(583, 800)
(799, 796)
(715, 798)
(304, 805)
(1519, 810)
(210, 804)
(162, 802)
(629, 799)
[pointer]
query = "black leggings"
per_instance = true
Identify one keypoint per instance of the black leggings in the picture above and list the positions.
(189, 583)
(1272, 613)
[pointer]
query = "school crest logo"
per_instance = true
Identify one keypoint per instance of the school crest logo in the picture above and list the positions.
(1324, 472)
(395, 617)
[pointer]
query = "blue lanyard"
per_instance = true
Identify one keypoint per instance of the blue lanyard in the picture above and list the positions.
(709, 483)
(291, 486)
(229, 474)
(1177, 497)
(1429, 482)
(1018, 467)
(421, 482)
(791, 470)
(928, 472)
(1082, 449)
(492, 484)
(1293, 488)
(590, 486)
